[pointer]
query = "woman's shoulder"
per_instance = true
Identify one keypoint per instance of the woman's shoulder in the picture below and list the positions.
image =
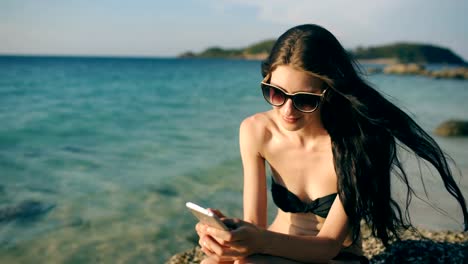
(258, 126)
(257, 122)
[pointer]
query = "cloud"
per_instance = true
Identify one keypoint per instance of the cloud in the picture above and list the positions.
(366, 22)
(336, 15)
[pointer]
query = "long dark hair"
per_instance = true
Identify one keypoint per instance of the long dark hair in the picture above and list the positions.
(365, 130)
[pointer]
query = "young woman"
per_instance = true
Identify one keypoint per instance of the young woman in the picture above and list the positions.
(331, 143)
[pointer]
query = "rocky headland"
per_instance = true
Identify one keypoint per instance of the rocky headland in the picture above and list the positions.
(399, 58)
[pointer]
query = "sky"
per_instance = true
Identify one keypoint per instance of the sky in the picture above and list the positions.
(170, 27)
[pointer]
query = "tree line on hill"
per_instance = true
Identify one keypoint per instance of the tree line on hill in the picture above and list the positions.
(402, 52)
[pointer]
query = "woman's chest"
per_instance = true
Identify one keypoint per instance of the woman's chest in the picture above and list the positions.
(308, 174)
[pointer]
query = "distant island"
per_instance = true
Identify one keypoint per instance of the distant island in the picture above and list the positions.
(256, 51)
(396, 53)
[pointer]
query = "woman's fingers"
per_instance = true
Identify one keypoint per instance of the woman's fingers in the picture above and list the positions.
(228, 236)
(216, 212)
(201, 228)
(203, 242)
(211, 247)
(232, 223)
(238, 246)
(208, 252)
(220, 235)
(232, 244)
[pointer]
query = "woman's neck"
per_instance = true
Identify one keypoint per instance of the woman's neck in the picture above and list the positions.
(309, 136)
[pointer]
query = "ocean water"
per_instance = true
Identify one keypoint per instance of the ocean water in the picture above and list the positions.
(112, 148)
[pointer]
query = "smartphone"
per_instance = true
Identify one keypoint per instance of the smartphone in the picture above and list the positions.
(206, 216)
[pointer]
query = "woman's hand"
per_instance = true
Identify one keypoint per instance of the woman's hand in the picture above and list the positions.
(243, 240)
(201, 228)
(205, 240)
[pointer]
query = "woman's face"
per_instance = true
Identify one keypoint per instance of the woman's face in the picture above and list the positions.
(293, 81)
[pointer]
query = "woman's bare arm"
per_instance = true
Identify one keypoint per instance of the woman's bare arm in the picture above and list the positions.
(251, 140)
(249, 239)
(322, 247)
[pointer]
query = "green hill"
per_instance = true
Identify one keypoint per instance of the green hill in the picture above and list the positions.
(256, 51)
(402, 52)
(409, 52)
(261, 47)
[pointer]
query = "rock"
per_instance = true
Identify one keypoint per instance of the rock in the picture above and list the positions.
(259, 56)
(374, 70)
(194, 255)
(452, 128)
(25, 210)
(410, 68)
(419, 246)
(164, 190)
(460, 73)
(423, 251)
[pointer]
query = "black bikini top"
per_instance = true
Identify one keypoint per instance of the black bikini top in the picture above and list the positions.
(289, 202)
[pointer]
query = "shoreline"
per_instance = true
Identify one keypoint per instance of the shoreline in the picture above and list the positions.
(382, 61)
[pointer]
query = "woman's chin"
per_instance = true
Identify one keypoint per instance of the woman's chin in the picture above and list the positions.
(291, 124)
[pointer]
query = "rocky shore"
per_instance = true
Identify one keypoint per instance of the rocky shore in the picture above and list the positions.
(452, 128)
(460, 73)
(422, 246)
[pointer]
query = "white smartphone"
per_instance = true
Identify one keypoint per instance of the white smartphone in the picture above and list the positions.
(206, 216)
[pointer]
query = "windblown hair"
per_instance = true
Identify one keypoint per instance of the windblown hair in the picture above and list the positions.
(365, 130)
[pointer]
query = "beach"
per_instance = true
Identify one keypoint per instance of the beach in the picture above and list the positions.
(99, 155)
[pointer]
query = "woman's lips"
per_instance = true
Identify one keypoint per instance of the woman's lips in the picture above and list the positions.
(290, 119)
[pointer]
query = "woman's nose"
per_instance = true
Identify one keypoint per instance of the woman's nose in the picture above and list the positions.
(288, 107)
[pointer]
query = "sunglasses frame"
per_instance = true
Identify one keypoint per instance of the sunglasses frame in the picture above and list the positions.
(289, 95)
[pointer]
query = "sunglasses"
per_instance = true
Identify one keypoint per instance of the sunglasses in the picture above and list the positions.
(302, 101)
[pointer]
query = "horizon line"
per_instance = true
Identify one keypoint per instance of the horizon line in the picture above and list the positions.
(123, 56)
(149, 57)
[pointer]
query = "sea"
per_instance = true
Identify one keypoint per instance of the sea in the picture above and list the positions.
(98, 156)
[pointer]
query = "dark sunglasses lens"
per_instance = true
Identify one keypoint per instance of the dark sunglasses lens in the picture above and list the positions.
(273, 95)
(306, 102)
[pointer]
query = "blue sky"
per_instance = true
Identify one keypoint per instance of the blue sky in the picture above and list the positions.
(168, 28)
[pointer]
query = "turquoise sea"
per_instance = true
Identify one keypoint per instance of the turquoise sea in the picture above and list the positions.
(106, 151)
